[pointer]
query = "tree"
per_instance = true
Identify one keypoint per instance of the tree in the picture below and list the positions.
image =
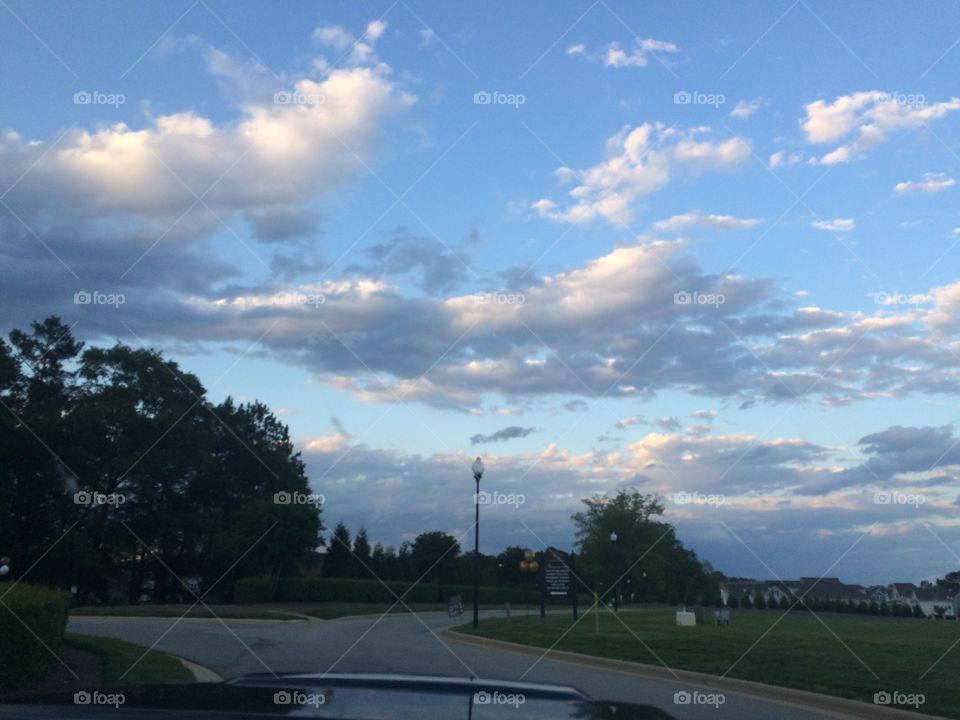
(646, 550)
(361, 552)
(434, 556)
(339, 561)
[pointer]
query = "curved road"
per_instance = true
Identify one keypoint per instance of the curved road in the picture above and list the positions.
(400, 643)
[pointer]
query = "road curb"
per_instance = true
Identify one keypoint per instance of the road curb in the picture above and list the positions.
(296, 619)
(201, 673)
(839, 708)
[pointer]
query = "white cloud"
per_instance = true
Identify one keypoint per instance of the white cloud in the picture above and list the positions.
(836, 225)
(333, 36)
(780, 158)
(697, 219)
(866, 119)
(614, 56)
(361, 49)
(745, 108)
(640, 161)
(929, 183)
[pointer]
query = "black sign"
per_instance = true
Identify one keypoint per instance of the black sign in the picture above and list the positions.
(556, 573)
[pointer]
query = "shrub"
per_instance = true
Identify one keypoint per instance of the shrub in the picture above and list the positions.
(253, 590)
(23, 657)
(328, 589)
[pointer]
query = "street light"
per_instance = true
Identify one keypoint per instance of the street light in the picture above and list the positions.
(616, 571)
(477, 474)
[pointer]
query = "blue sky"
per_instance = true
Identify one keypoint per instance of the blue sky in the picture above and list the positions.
(316, 208)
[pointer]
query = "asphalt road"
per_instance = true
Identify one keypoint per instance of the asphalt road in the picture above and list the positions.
(400, 643)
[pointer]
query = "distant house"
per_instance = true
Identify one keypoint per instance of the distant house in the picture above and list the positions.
(829, 589)
(936, 602)
(903, 593)
(933, 601)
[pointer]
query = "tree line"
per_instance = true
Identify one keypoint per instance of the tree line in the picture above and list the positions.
(645, 563)
(122, 481)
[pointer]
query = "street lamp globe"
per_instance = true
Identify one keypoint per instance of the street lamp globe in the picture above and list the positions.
(477, 468)
(613, 536)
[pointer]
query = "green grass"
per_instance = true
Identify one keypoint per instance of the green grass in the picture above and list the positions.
(227, 612)
(834, 657)
(119, 656)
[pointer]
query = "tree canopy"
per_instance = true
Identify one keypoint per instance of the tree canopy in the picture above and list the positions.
(118, 476)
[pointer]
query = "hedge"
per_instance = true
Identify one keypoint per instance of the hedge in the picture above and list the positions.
(23, 658)
(255, 590)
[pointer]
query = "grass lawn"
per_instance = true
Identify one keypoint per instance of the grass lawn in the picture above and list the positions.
(118, 656)
(837, 656)
(233, 612)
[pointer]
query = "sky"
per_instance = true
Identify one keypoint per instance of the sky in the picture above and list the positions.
(707, 250)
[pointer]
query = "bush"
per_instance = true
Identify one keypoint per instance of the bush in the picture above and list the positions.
(301, 589)
(23, 658)
(253, 590)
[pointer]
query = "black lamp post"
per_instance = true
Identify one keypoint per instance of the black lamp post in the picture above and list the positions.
(616, 573)
(477, 474)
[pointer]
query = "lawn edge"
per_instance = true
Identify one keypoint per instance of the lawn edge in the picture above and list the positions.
(837, 707)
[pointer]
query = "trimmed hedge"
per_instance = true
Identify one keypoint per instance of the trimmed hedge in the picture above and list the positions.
(256, 590)
(23, 658)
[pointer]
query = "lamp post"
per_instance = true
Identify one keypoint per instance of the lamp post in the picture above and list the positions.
(616, 571)
(477, 474)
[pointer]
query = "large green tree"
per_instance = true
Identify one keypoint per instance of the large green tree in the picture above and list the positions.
(646, 560)
(188, 485)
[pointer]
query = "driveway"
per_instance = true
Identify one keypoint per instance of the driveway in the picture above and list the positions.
(400, 643)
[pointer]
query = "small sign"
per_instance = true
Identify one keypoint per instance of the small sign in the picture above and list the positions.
(454, 606)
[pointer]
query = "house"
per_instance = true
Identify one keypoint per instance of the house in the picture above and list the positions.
(937, 602)
(829, 589)
(903, 594)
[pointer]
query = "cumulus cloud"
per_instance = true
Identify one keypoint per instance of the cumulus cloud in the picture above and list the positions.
(135, 209)
(614, 56)
(928, 183)
(639, 161)
(700, 220)
(508, 433)
(835, 225)
(745, 108)
(781, 158)
(361, 50)
(863, 120)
